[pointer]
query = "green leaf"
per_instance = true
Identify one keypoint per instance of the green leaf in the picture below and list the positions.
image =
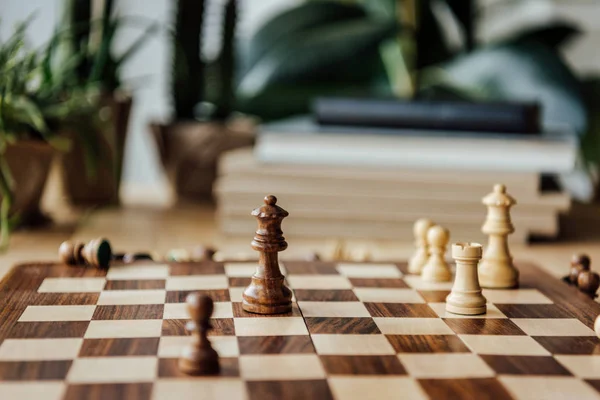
(316, 53)
(304, 17)
(527, 71)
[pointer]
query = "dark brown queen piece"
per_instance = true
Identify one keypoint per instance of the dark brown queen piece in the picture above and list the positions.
(267, 293)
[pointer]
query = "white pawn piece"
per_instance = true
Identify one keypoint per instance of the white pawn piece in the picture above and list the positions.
(418, 260)
(496, 269)
(437, 269)
(465, 297)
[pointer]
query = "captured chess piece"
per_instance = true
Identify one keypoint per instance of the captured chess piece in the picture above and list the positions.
(418, 260)
(579, 263)
(267, 293)
(588, 282)
(96, 253)
(465, 297)
(437, 269)
(496, 269)
(199, 358)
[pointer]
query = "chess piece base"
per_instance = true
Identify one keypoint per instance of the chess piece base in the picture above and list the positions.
(200, 362)
(267, 296)
(462, 303)
(465, 310)
(493, 275)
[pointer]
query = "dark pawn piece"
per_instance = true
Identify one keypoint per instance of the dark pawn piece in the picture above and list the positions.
(97, 253)
(267, 293)
(202, 253)
(588, 282)
(579, 262)
(199, 358)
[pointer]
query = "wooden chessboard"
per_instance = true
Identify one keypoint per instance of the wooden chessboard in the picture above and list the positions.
(357, 331)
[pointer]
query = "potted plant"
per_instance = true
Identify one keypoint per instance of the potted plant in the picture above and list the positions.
(92, 168)
(203, 126)
(33, 99)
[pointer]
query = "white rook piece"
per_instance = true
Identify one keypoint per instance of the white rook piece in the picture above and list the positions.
(418, 260)
(437, 269)
(496, 269)
(466, 297)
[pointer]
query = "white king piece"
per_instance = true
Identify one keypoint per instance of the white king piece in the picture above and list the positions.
(496, 269)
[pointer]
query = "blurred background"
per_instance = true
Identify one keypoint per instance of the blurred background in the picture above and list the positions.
(365, 115)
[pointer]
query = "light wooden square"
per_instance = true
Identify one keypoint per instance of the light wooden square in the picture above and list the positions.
(369, 270)
(509, 345)
(492, 312)
(352, 344)
(240, 270)
(72, 285)
(113, 370)
(57, 313)
(546, 387)
(445, 365)
(515, 296)
(553, 327)
(274, 326)
(388, 295)
(333, 309)
(583, 366)
(413, 326)
(39, 349)
(222, 309)
(138, 272)
(416, 282)
(124, 329)
(205, 388)
(172, 346)
(197, 282)
(385, 388)
(325, 282)
(129, 297)
(29, 390)
(235, 294)
(269, 367)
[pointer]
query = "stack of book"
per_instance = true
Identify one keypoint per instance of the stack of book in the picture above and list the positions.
(373, 183)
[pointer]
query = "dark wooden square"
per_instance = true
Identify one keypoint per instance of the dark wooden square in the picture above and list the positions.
(379, 282)
(534, 311)
(324, 295)
(112, 391)
(63, 299)
(220, 327)
(434, 296)
(427, 344)
(311, 268)
(275, 344)
(467, 389)
(525, 365)
(239, 281)
(289, 390)
(337, 325)
(119, 347)
(54, 329)
(569, 344)
(169, 368)
(483, 326)
(362, 365)
(196, 268)
(141, 311)
(403, 310)
(595, 383)
(142, 284)
(403, 267)
(179, 296)
(34, 370)
(238, 312)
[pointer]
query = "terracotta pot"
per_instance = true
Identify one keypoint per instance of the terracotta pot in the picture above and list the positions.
(29, 162)
(189, 152)
(103, 189)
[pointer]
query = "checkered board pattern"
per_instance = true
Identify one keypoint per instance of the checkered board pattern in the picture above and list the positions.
(357, 331)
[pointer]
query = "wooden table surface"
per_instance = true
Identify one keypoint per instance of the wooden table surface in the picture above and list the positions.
(160, 229)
